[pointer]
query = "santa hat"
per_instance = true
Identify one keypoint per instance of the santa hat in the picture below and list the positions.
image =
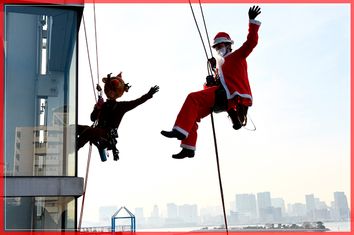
(222, 37)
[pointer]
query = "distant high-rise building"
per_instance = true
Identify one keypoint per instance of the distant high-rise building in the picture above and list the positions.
(154, 220)
(172, 219)
(172, 211)
(139, 217)
(279, 203)
(155, 212)
(341, 209)
(310, 202)
(264, 200)
(264, 205)
(139, 212)
(246, 205)
(310, 205)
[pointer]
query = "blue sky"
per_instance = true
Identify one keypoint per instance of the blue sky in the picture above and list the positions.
(300, 78)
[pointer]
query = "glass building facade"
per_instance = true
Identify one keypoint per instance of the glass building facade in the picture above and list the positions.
(40, 105)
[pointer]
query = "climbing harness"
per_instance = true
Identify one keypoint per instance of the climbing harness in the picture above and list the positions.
(220, 100)
(210, 70)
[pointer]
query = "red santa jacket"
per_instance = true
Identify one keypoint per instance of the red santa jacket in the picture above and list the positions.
(232, 69)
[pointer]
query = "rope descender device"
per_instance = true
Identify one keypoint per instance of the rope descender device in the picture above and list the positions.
(99, 89)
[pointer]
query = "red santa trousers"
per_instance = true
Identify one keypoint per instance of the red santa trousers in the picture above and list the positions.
(196, 106)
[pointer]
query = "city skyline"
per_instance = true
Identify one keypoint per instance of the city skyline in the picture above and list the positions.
(187, 213)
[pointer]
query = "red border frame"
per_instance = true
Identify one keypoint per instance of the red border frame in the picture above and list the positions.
(2, 71)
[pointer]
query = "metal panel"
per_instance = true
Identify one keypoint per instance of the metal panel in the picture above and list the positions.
(43, 186)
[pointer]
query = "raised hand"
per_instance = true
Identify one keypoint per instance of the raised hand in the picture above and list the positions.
(153, 90)
(253, 12)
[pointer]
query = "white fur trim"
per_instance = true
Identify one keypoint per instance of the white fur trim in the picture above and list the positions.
(228, 95)
(255, 22)
(179, 129)
(222, 80)
(222, 40)
(188, 147)
(247, 96)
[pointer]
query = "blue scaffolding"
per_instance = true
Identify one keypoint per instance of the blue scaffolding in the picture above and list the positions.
(130, 216)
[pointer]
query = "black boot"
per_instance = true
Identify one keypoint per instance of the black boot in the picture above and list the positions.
(183, 154)
(173, 134)
(236, 122)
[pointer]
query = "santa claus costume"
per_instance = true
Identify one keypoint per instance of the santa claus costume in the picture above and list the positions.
(231, 69)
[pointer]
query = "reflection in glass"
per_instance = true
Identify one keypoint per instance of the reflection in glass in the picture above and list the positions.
(40, 111)
(48, 213)
(40, 88)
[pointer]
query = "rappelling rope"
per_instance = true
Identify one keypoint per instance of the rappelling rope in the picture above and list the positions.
(89, 59)
(211, 115)
(94, 18)
(206, 30)
(200, 34)
(210, 69)
(94, 91)
(85, 185)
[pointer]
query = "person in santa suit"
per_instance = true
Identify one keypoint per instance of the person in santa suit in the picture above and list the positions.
(109, 115)
(230, 89)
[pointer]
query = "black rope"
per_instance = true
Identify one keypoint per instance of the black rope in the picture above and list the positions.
(200, 34)
(89, 59)
(219, 174)
(206, 30)
(211, 115)
(95, 123)
(94, 18)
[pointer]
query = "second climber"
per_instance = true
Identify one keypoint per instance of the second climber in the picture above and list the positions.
(108, 116)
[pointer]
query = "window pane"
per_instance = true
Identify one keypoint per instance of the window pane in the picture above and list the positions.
(40, 91)
(40, 213)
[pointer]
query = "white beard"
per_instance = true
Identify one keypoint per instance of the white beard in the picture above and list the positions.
(219, 60)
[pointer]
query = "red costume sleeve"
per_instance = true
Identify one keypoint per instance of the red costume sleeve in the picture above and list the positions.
(252, 38)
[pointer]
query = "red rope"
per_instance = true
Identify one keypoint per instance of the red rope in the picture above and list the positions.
(85, 185)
